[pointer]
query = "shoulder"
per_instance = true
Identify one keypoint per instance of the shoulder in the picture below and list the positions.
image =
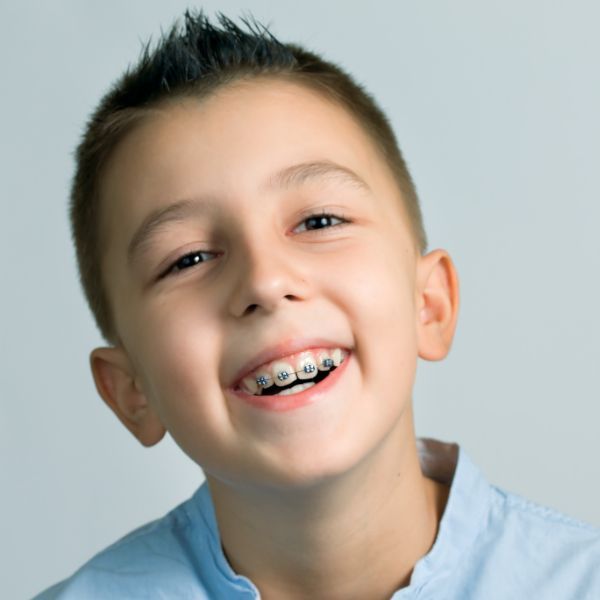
(535, 522)
(157, 557)
(536, 550)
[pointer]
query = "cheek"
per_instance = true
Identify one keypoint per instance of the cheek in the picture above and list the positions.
(177, 345)
(180, 374)
(380, 301)
(376, 281)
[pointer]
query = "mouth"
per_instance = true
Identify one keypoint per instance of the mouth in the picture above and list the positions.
(292, 374)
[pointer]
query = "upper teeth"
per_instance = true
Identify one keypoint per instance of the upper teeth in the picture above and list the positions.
(307, 368)
(283, 373)
(303, 366)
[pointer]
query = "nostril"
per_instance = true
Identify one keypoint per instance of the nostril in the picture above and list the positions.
(268, 304)
(250, 309)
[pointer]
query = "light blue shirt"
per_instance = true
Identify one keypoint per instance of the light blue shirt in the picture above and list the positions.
(491, 545)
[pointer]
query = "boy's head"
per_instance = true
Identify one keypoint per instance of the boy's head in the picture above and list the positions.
(195, 62)
(243, 223)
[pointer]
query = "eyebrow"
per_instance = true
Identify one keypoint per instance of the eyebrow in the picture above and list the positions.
(177, 212)
(296, 175)
(289, 177)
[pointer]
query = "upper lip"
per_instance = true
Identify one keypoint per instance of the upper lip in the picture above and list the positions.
(279, 351)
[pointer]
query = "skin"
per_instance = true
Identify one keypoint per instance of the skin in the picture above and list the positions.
(327, 501)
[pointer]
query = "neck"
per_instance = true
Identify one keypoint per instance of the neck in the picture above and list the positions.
(358, 535)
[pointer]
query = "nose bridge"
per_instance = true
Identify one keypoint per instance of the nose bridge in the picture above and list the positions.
(265, 275)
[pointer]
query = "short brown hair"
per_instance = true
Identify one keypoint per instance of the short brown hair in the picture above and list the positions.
(194, 60)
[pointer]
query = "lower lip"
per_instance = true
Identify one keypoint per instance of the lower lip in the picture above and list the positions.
(294, 401)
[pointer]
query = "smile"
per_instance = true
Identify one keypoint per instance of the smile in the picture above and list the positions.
(293, 374)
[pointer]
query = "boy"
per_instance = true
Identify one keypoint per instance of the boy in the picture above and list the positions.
(251, 245)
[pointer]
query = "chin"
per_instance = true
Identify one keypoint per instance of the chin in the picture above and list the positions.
(310, 466)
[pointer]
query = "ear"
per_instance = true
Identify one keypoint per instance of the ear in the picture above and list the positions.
(437, 304)
(118, 386)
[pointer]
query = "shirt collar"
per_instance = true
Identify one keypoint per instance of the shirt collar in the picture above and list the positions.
(464, 515)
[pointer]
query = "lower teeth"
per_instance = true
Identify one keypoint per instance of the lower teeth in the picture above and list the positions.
(296, 389)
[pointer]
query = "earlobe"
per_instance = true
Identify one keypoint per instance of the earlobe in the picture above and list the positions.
(437, 303)
(120, 389)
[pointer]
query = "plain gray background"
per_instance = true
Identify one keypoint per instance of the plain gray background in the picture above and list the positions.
(496, 106)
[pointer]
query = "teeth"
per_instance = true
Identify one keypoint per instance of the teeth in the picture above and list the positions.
(306, 368)
(249, 385)
(296, 389)
(263, 380)
(283, 373)
(324, 361)
(338, 357)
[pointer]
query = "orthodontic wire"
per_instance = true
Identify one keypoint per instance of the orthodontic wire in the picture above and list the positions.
(263, 380)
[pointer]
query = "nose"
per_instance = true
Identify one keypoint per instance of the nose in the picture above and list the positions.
(265, 278)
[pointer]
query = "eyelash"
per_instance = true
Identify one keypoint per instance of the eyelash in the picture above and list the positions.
(191, 259)
(325, 215)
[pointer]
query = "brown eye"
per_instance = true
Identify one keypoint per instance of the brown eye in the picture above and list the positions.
(190, 260)
(323, 221)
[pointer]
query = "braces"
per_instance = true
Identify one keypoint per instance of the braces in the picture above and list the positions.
(263, 380)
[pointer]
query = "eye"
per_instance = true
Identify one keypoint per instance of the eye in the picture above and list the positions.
(320, 221)
(189, 260)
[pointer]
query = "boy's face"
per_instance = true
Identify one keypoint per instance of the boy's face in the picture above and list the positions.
(231, 182)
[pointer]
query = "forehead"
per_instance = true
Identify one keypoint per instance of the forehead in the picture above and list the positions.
(229, 145)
